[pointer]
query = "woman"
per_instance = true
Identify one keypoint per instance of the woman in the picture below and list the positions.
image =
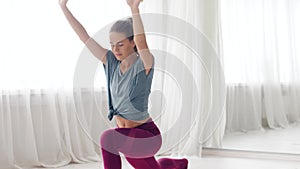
(129, 71)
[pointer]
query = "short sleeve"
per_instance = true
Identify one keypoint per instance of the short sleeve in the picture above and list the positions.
(141, 70)
(111, 63)
(109, 67)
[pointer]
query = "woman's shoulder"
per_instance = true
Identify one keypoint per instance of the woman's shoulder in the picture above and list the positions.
(111, 58)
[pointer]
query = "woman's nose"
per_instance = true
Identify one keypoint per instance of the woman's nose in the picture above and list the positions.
(115, 48)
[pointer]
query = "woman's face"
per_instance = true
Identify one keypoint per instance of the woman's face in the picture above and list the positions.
(120, 45)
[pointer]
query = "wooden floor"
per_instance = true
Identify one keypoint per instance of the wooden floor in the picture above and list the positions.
(268, 149)
(214, 162)
(269, 140)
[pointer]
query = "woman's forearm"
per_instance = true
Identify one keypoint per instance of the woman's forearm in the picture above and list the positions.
(138, 27)
(140, 39)
(97, 50)
(75, 24)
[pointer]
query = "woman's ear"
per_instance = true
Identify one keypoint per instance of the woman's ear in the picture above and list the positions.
(133, 43)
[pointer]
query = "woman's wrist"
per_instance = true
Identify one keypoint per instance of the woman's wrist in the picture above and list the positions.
(63, 6)
(135, 10)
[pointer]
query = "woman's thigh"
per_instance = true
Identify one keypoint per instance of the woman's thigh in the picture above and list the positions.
(132, 142)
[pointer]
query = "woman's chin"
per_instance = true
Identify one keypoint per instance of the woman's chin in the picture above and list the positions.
(119, 59)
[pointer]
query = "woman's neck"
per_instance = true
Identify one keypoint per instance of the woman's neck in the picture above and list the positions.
(129, 60)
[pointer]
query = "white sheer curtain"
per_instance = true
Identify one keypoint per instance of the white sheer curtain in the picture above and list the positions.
(45, 123)
(206, 128)
(42, 120)
(41, 127)
(261, 41)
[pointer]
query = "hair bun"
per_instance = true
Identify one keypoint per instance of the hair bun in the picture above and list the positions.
(129, 20)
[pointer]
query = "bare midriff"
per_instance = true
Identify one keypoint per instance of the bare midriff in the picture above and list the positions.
(124, 123)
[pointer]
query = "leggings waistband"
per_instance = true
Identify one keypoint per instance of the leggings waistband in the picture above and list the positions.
(150, 126)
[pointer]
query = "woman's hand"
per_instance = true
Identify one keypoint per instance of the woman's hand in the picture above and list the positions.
(134, 3)
(63, 2)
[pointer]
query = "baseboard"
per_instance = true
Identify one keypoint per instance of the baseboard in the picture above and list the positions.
(249, 154)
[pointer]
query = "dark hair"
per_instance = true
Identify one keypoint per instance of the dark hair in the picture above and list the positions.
(126, 27)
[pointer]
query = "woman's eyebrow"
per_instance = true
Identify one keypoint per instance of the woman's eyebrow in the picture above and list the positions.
(116, 42)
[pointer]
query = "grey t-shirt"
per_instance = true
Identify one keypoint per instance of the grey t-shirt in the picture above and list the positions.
(128, 92)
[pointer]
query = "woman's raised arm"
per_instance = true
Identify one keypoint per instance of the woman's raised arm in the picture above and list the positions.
(97, 50)
(139, 35)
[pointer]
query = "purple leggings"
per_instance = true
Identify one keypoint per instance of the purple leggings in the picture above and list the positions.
(139, 145)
